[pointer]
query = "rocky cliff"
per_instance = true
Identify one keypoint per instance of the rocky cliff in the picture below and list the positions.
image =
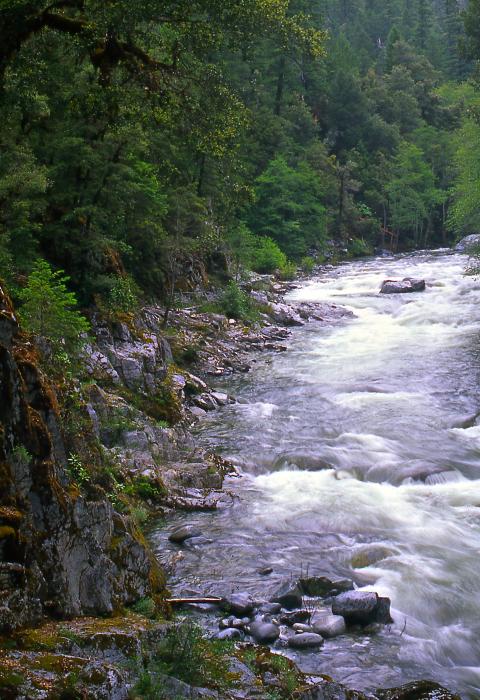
(63, 552)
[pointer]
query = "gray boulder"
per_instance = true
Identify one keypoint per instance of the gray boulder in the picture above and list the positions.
(408, 284)
(231, 634)
(264, 632)
(285, 315)
(238, 604)
(328, 625)
(322, 586)
(184, 532)
(289, 596)
(362, 607)
(306, 640)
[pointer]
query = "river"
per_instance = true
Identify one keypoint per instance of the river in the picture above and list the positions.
(360, 458)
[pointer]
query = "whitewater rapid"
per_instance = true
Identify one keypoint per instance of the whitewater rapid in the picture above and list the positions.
(360, 455)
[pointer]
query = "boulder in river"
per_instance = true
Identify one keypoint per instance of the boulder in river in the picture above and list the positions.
(285, 315)
(305, 640)
(328, 625)
(290, 596)
(408, 284)
(418, 690)
(321, 586)
(362, 608)
(270, 608)
(230, 634)
(184, 532)
(238, 603)
(264, 632)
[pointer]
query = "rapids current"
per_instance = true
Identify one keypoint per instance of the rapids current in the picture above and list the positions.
(359, 451)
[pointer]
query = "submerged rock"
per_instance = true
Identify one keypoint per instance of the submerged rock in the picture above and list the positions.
(184, 532)
(408, 284)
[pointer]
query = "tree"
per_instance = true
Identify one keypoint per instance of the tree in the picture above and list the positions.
(288, 207)
(465, 211)
(412, 194)
(49, 310)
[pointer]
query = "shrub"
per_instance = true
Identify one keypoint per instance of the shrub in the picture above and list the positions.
(359, 248)
(288, 272)
(123, 295)
(268, 257)
(185, 654)
(307, 264)
(235, 303)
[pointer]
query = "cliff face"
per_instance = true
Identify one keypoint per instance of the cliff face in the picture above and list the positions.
(61, 552)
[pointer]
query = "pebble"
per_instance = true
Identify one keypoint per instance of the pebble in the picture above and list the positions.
(230, 634)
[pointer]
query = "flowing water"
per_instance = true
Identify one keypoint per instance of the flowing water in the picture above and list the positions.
(360, 457)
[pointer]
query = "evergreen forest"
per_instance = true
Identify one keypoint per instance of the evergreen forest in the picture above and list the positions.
(143, 139)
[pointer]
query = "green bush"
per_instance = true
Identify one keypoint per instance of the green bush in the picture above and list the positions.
(268, 257)
(185, 654)
(123, 295)
(288, 272)
(235, 303)
(359, 248)
(145, 607)
(307, 264)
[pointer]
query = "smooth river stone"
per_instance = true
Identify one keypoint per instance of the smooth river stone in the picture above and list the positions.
(306, 640)
(230, 634)
(238, 603)
(264, 632)
(184, 532)
(329, 626)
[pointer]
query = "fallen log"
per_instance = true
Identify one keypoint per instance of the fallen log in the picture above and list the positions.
(184, 601)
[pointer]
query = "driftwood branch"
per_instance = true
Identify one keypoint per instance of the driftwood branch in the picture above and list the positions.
(184, 601)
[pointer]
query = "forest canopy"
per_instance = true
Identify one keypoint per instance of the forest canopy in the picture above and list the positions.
(139, 137)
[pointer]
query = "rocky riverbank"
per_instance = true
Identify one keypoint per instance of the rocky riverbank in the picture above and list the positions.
(84, 462)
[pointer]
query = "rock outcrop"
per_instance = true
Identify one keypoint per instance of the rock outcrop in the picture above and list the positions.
(63, 551)
(402, 286)
(468, 243)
